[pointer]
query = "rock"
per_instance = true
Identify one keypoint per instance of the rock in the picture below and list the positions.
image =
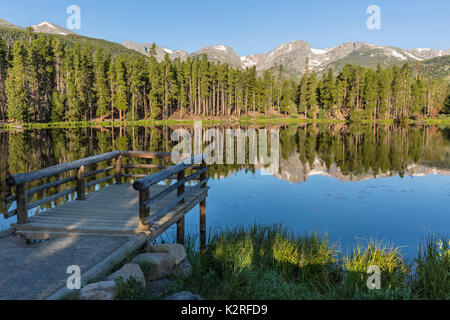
(159, 288)
(175, 250)
(183, 270)
(104, 290)
(128, 271)
(161, 264)
(184, 295)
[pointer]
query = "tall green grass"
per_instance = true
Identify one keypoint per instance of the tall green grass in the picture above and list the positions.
(270, 262)
(432, 277)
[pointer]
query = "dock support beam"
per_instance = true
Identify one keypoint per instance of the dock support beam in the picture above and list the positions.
(119, 170)
(203, 213)
(180, 224)
(81, 194)
(22, 209)
(144, 212)
(203, 226)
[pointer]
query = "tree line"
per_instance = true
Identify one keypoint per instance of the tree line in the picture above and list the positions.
(44, 79)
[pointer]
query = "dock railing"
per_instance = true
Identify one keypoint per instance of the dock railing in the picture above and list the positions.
(175, 172)
(179, 171)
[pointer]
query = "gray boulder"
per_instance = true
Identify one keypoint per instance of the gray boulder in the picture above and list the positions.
(160, 264)
(128, 271)
(175, 250)
(183, 270)
(104, 290)
(159, 288)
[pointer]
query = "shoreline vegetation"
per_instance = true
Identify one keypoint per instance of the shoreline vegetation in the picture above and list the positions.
(443, 120)
(270, 262)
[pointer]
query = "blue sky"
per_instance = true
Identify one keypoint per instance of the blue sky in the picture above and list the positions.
(249, 26)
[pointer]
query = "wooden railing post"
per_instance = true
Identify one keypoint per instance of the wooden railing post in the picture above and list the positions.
(203, 212)
(81, 194)
(144, 212)
(119, 170)
(22, 208)
(180, 224)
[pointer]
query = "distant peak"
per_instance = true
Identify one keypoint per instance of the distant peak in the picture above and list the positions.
(51, 28)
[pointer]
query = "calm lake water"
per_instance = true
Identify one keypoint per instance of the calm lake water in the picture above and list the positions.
(352, 183)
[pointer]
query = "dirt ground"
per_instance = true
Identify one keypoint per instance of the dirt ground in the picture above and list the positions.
(36, 271)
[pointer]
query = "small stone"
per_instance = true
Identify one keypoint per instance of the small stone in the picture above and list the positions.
(184, 295)
(183, 270)
(161, 264)
(104, 290)
(176, 250)
(159, 288)
(128, 271)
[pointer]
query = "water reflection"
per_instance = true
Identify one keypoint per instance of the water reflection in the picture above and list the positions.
(320, 159)
(348, 153)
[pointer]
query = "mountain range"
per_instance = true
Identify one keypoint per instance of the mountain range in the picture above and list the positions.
(292, 56)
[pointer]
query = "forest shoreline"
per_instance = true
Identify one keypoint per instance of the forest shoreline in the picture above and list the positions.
(208, 121)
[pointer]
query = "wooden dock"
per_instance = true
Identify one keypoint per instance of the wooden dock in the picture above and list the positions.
(150, 205)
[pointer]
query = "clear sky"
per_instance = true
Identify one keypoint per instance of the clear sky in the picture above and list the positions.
(249, 26)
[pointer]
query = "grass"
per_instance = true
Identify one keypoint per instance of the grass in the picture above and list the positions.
(269, 262)
(432, 276)
(243, 120)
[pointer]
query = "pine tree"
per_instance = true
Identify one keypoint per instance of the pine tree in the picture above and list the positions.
(3, 74)
(121, 88)
(155, 94)
(328, 91)
(16, 91)
(101, 84)
(311, 96)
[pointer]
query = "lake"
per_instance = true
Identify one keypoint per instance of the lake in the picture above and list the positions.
(349, 182)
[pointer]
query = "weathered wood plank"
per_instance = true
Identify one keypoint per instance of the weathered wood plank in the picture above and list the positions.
(164, 174)
(95, 172)
(22, 178)
(93, 183)
(146, 154)
(111, 210)
(178, 199)
(22, 207)
(144, 166)
(51, 198)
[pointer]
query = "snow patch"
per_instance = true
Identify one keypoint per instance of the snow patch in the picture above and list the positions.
(168, 51)
(221, 48)
(412, 56)
(318, 51)
(398, 55)
(247, 62)
(45, 23)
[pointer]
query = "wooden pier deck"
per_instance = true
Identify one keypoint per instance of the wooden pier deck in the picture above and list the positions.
(111, 210)
(149, 205)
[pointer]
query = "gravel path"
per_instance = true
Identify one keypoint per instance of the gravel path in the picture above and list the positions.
(35, 271)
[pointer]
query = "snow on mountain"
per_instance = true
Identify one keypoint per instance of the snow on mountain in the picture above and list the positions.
(51, 28)
(318, 51)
